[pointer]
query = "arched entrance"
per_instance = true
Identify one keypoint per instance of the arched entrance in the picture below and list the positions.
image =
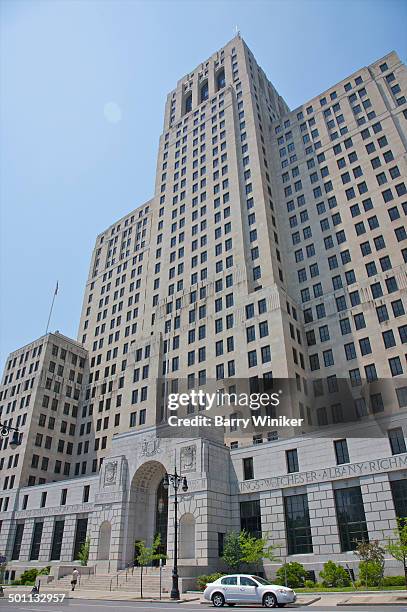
(148, 508)
(105, 532)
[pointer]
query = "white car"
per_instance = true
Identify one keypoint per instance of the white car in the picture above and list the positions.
(244, 588)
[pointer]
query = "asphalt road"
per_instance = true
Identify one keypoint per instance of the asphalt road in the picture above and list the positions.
(85, 605)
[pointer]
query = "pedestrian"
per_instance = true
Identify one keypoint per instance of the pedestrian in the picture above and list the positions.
(74, 580)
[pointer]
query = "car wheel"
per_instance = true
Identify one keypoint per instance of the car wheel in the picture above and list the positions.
(218, 600)
(270, 600)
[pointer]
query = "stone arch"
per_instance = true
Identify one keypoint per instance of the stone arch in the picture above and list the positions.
(187, 536)
(144, 506)
(105, 532)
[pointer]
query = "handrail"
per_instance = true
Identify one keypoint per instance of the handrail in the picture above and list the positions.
(126, 571)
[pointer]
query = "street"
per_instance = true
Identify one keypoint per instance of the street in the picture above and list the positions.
(104, 606)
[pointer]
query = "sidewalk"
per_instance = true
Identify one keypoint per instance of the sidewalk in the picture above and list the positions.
(368, 599)
(376, 599)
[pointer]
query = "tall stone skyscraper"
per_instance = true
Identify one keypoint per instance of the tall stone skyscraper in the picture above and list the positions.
(274, 248)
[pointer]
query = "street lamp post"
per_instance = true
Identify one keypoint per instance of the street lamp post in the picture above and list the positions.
(5, 431)
(175, 480)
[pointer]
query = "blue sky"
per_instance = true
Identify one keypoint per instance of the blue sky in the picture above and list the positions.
(67, 172)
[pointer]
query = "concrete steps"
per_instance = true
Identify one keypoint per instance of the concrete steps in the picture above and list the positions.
(115, 582)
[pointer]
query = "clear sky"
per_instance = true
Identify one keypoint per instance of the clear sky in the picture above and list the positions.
(83, 85)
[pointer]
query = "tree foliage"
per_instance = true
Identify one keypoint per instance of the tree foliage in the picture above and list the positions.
(147, 554)
(371, 566)
(83, 554)
(243, 548)
(334, 575)
(292, 574)
(398, 547)
(232, 552)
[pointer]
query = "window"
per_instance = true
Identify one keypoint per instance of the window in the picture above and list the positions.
(397, 441)
(364, 344)
(57, 540)
(85, 497)
(350, 351)
(18, 537)
(250, 517)
(80, 536)
(388, 338)
(36, 541)
(395, 366)
(351, 517)
(298, 526)
(248, 470)
(341, 451)
(292, 461)
(399, 492)
(398, 308)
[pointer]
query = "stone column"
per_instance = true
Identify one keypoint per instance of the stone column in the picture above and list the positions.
(68, 539)
(324, 527)
(27, 539)
(379, 506)
(46, 540)
(272, 519)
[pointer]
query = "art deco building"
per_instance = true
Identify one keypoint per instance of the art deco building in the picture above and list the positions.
(274, 248)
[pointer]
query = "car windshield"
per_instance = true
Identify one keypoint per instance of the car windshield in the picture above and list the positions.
(261, 580)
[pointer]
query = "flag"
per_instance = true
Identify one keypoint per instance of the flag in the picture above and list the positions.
(56, 289)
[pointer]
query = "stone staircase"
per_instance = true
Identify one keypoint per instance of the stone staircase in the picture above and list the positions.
(125, 580)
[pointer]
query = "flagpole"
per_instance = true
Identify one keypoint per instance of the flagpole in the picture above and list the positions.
(52, 306)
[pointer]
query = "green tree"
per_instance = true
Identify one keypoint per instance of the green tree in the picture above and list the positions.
(398, 547)
(370, 573)
(371, 566)
(334, 575)
(232, 551)
(146, 555)
(29, 576)
(292, 574)
(243, 548)
(83, 554)
(254, 549)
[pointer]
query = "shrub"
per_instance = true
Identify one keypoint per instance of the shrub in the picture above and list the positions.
(295, 574)
(203, 580)
(45, 571)
(389, 581)
(83, 555)
(310, 584)
(334, 575)
(29, 576)
(370, 573)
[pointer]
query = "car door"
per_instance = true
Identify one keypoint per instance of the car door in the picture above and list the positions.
(248, 589)
(230, 588)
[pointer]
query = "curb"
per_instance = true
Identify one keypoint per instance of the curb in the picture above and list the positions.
(294, 605)
(349, 603)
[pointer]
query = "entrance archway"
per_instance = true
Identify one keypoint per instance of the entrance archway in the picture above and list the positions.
(105, 532)
(148, 508)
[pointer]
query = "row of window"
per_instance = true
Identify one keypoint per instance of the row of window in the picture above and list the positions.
(396, 441)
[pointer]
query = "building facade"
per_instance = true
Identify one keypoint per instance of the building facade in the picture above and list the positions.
(274, 248)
